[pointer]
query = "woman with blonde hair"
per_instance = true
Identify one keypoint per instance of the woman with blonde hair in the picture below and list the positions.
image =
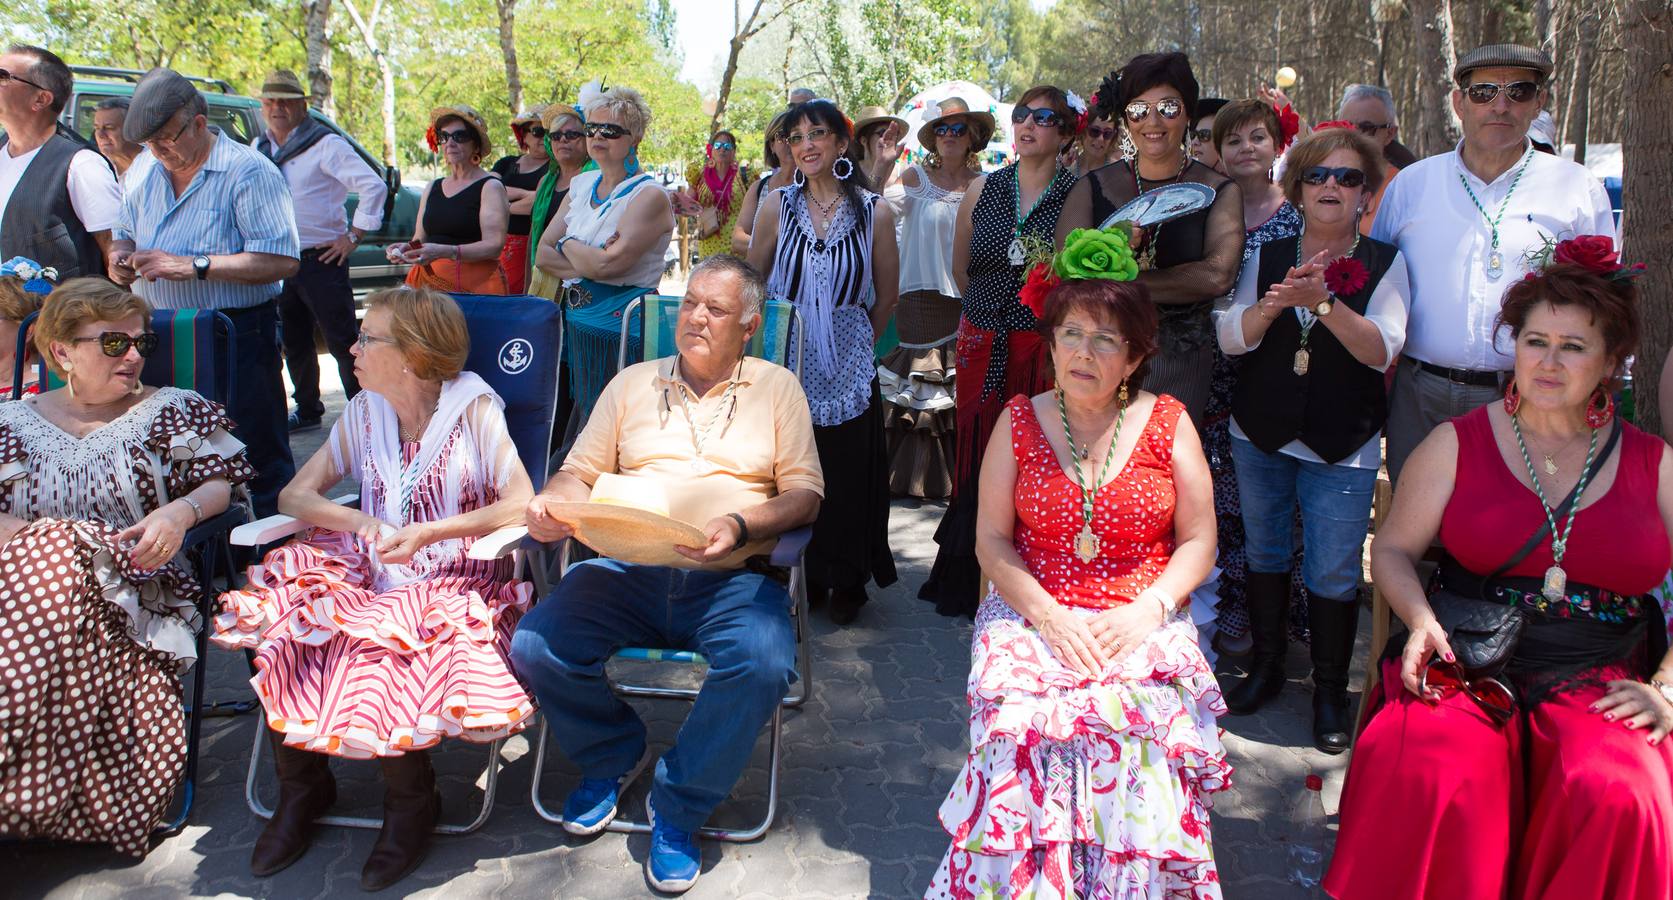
(387, 591)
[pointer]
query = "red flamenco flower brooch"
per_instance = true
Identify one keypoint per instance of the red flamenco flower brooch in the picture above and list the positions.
(1040, 282)
(1345, 276)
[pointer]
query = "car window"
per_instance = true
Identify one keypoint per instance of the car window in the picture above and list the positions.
(233, 120)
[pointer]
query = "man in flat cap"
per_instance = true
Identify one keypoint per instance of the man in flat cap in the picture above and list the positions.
(321, 168)
(64, 217)
(1467, 221)
(209, 226)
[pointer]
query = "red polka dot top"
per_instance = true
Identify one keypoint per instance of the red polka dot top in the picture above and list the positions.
(1132, 515)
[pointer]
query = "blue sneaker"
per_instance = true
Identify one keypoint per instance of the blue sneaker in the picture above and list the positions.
(674, 862)
(591, 807)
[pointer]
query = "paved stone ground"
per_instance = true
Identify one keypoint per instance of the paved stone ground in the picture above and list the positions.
(865, 765)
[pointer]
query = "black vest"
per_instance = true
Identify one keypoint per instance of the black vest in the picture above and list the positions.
(1336, 407)
(40, 222)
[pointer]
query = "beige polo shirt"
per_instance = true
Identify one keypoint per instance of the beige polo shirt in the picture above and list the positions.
(758, 443)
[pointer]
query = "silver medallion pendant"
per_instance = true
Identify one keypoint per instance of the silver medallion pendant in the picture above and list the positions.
(1556, 584)
(1015, 253)
(1495, 265)
(1086, 544)
(1303, 360)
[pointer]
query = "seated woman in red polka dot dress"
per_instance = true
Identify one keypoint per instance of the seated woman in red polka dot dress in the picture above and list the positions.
(99, 482)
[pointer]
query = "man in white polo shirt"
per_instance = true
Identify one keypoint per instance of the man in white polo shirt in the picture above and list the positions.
(1467, 221)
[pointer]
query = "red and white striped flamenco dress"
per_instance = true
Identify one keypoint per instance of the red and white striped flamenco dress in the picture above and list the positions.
(361, 659)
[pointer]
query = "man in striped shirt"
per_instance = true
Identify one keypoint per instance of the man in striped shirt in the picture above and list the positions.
(209, 225)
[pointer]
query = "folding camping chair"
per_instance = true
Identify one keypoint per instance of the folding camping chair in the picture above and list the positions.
(778, 339)
(195, 351)
(516, 343)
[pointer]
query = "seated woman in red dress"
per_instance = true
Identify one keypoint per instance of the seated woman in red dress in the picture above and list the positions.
(1567, 789)
(1093, 745)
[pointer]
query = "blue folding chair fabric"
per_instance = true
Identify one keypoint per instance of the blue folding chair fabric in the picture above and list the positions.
(516, 343)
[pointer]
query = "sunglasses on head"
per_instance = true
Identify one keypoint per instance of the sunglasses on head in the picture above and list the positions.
(1346, 176)
(952, 129)
(1483, 92)
(1170, 108)
(1202, 135)
(462, 136)
(115, 344)
(8, 75)
(1102, 134)
(1493, 696)
(1044, 116)
(606, 130)
(568, 134)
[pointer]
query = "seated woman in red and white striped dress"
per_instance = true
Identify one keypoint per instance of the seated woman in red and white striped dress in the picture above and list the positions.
(377, 636)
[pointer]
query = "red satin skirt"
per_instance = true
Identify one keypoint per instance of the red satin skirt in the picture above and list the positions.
(1027, 372)
(1440, 803)
(514, 261)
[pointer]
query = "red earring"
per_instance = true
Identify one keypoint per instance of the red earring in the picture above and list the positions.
(1597, 414)
(1513, 398)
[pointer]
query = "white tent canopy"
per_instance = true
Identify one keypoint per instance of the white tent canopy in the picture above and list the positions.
(925, 106)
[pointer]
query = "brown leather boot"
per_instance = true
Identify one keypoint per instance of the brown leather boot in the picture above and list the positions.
(410, 806)
(306, 792)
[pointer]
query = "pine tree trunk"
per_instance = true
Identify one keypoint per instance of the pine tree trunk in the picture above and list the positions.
(317, 19)
(1434, 58)
(1582, 88)
(508, 48)
(1647, 144)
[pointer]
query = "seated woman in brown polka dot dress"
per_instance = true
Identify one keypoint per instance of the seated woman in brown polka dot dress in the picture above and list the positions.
(99, 481)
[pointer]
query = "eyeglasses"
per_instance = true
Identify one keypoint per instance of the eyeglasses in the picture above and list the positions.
(952, 129)
(1071, 338)
(366, 338)
(606, 130)
(1102, 134)
(795, 138)
(724, 145)
(1483, 92)
(115, 344)
(169, 142)
(461, 136)
(8, 75)
(1170, 108)
(1345, 176)
(1370, 129)
(568, 134)
(1044, 116)
(538, 131)
(1493, 696)
(1202, 135)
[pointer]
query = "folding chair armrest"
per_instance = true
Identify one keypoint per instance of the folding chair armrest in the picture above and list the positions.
(790, 547)
(214, 526)
(275, 527)
(498, 544)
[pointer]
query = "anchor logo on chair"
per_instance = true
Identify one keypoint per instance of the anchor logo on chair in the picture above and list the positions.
(515, 356)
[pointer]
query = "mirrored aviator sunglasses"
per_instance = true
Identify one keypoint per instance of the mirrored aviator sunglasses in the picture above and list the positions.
(1493, 696)
(951, 129)
(115, 344)
(1345, 176)
(1483, 92)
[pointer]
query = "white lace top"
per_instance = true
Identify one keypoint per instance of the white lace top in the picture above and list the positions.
(928, 215)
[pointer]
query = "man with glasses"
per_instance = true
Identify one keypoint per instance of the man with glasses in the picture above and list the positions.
(210, 226)
(64, 217)
(1370, 109)
(321, 169)
(1468, 220)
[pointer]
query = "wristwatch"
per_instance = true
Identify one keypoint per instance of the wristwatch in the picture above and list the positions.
(200, 265)
(1325, 306)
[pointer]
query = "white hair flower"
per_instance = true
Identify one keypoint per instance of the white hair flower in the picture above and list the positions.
(1075, 102)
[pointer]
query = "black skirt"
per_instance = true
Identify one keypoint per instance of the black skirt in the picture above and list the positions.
(851, 536)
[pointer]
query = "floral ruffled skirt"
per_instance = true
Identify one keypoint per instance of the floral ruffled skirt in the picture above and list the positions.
(1084, 788)
(346, 670)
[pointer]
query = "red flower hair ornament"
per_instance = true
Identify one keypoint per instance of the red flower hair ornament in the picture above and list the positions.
(1595, 253)
(430, 138)
(1289, 124)
(1040, 282)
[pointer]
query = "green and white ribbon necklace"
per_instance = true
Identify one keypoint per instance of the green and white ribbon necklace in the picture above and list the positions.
(1556, 580)
(1495, 259)
(1086, 543)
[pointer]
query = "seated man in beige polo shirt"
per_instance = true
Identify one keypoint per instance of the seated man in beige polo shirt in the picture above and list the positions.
(731, 439)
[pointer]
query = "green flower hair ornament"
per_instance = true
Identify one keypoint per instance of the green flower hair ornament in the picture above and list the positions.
(1097, 253)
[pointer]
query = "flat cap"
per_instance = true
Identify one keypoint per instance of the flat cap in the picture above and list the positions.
(157, 97)
(1512, 56)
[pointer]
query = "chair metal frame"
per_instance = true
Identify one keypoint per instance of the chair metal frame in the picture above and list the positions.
(788, 553)
(497, 544)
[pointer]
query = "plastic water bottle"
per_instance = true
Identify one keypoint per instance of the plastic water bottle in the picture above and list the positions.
(1306, 864)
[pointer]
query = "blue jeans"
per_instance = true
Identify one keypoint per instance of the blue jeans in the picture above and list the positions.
(739, 621)
(1335, 517)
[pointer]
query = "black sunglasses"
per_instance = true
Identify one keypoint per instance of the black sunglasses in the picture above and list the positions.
(1370, 129)
(538, 131)
(115, 344)
(8, 75)
(454, 137)
(1483, 92)
(607, 130)
(1044, 116)
(1170, 108)
(1202, 135)
(952, 129)
(568, 134)
(1102, 134)
(1346, 176)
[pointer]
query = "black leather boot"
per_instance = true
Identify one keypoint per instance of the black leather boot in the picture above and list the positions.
(1268, 598)
(1334, 624)
(306, 792)
(410, 808)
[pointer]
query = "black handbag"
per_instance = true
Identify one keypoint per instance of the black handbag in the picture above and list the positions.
(1484, 634)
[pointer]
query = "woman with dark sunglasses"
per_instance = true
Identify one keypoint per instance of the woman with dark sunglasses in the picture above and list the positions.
(1095, 146)
(1571, 794)
(462, 216)
(1005, 220)
(1316, 320)
(521, 174)
(566, 144)
(100, 480)
(1188, 262)
(713, 192)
